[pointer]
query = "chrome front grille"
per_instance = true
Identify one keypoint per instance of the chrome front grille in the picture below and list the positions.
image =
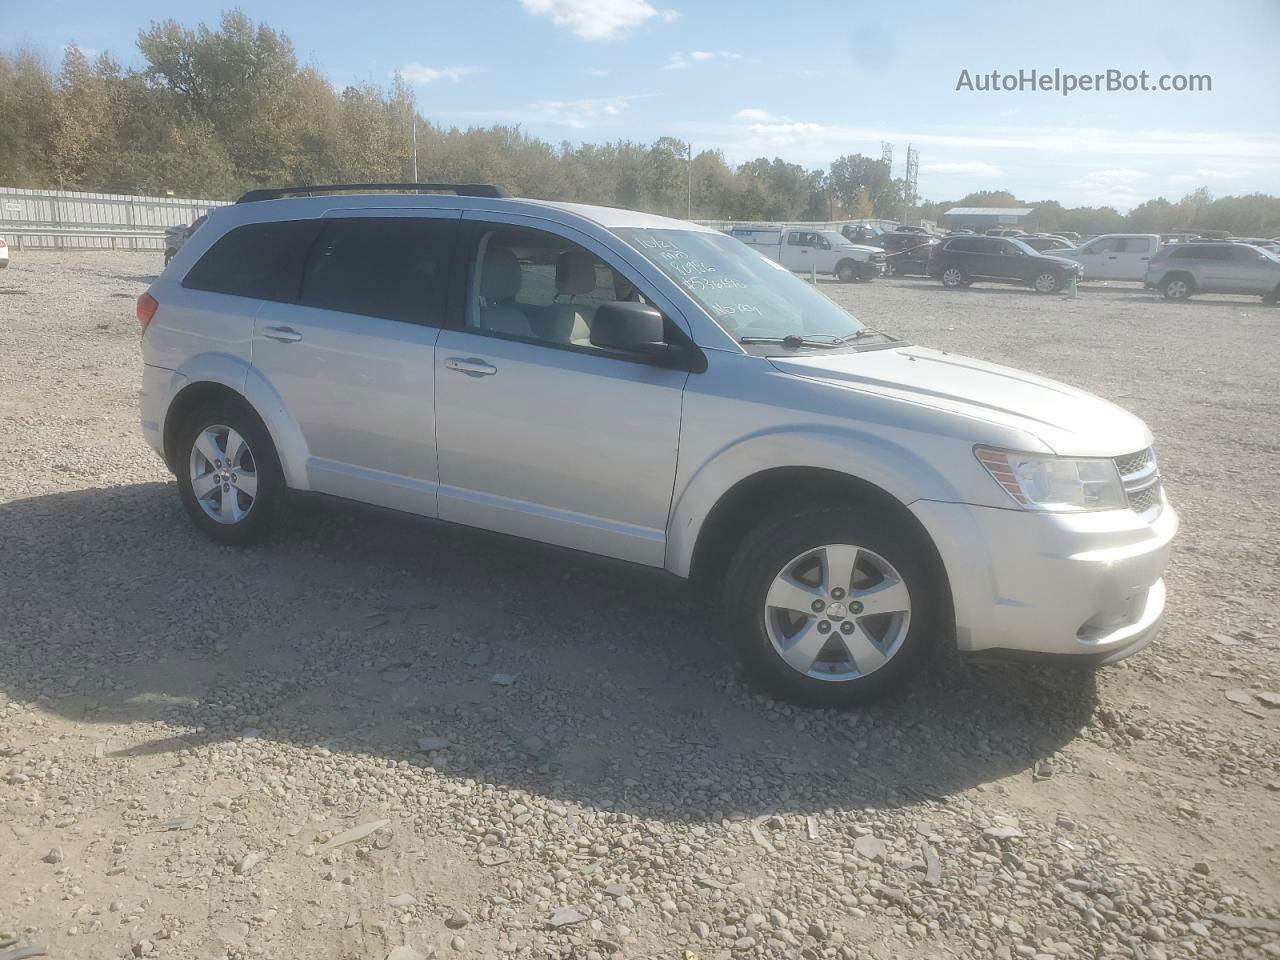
(1141, 478)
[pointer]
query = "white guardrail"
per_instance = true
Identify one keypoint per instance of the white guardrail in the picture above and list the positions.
(62, 219)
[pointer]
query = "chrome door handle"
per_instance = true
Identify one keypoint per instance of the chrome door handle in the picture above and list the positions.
(471, 366)
(282, 334)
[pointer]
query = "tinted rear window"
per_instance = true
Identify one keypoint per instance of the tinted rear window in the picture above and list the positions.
(396, 268)
(260, 260)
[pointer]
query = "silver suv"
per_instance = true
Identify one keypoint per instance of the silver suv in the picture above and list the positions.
(1178, 270)
(651, 390)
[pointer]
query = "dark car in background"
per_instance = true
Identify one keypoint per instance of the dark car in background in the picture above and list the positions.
(1043, 244)
(907, 254)
(960, 261)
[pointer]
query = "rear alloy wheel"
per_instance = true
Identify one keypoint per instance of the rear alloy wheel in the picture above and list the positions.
(828, 607)
(890, 270)
(954, 277)
(1047, 282)
(1176, 288)
(229, 477)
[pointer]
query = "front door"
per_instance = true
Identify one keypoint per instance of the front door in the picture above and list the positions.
(1098, 257)
(353, 359)
(540, 433)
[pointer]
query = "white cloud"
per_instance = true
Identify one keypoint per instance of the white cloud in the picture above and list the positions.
(419, 75)
(1211, 174)
(681, 61)
(1112, 187)
(576, 114)
(970, 168)
(597, 19)
(752, 115)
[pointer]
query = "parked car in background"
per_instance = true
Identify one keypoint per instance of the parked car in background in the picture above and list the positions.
(911, 228)
(1069, 235)
(1181, 269)
(1268, 245)
(4, 254)
(650, 390)
(1043, 243)
(907, 254)
(1005, 232)
(177, 235)
(960, 232)
(863, 233)
(825, 252)
(959, 261)
(1115, 256)
(1178, 237)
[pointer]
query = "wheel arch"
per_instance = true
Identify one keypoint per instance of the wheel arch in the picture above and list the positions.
(260, 399)
(754, 496)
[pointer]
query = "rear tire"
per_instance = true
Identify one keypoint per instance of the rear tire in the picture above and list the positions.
(798, 593)
(954, 277)
(1177, 287)
(229, 474)
(1272, 298)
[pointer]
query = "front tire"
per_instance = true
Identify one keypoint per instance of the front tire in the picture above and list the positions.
(954, 277)
(846, 271)
(229, 474)
(1047, 282)
(829, 607)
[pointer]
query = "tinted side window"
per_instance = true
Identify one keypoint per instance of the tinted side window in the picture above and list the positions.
(396, 268)
(1137, 245)
(963, 245)
(1244, 254)
(260, 260)
(988, 245)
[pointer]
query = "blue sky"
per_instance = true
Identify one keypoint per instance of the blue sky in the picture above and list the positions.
(804, 81)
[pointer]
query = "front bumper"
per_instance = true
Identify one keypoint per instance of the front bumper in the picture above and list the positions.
(1084, 586)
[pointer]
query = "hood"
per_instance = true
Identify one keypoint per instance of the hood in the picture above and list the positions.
(1070, 422)
(859, 248)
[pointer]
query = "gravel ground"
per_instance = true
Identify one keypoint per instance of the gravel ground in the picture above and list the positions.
(376, 739)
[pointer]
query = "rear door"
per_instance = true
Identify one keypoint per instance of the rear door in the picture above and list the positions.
(353, 359)
(1129, 262)
(986, 258)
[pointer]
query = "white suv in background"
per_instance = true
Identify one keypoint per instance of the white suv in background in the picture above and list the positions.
(651, 390)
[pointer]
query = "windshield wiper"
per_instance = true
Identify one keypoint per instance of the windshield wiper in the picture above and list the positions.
(792, 340)
(866, 334)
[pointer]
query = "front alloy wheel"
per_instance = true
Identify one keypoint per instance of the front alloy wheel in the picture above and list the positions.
(1176, 288)
(952, 277)
(830, 605)
(837, 612)
(1046, 282)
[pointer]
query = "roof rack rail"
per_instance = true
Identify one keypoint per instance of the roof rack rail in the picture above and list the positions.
(460, 189)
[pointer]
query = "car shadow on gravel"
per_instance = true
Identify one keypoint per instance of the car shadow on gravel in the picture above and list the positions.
(546, 671)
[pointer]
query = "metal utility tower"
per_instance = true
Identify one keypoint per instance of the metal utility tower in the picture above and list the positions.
(886, 155)
(910, 181)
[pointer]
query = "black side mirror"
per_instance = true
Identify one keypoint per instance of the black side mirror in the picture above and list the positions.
(626, 325)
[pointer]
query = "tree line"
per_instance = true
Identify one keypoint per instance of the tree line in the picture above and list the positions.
(217, 110)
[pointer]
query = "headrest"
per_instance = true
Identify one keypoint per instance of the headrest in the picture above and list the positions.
(575, 272)
(501, 274)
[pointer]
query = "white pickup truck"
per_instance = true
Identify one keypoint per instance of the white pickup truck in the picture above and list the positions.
(807, 251)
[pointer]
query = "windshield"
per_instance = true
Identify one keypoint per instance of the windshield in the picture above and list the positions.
(1024, 247)
(747, 294)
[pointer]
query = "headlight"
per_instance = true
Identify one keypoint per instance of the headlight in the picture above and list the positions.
(1059, 484)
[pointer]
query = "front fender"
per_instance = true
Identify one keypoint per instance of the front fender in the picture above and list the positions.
(237, 375)
(873, 459)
